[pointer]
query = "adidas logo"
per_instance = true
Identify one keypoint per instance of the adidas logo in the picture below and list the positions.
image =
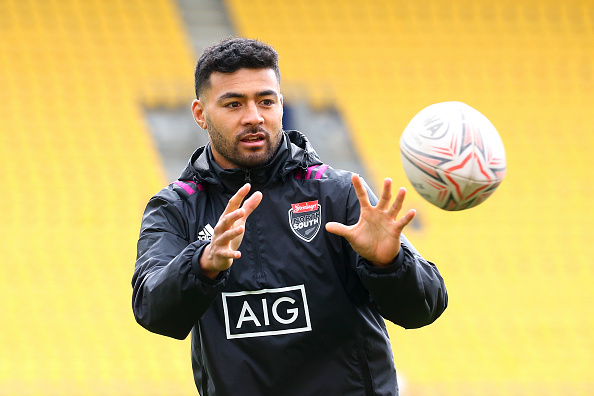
(206, 233)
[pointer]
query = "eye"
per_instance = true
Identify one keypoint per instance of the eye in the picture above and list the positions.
(232, 105)
(267, 102)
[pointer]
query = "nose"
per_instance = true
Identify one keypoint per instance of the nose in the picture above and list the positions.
(252, 115)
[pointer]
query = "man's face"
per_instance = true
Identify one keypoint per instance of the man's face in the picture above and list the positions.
(242, 112)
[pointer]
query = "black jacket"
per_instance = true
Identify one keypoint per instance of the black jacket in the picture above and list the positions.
(300, 313)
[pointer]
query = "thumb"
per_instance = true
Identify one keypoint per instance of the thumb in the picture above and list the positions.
(338, 229)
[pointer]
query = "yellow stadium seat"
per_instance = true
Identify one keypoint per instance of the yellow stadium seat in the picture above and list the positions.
(78, 165)
(515, 265)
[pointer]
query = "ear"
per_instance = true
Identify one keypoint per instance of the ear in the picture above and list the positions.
(199, 114)
(282, 107)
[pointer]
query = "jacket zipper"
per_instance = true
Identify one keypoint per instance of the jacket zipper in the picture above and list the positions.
(258, 272)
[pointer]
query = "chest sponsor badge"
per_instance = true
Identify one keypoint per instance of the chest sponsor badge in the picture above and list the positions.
(267, 312)
(305, 219)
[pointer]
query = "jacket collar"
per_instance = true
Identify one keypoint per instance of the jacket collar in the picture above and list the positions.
(294, 152)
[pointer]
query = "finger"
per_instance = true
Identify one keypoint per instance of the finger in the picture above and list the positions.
(222, 240)
(360, 191)
(397, 205)
(338, 229)
(235, 201)
(228, 254)
(252, 203)
(225, 245)
(407, 218)
(386, 196)
(227, 220)
(226, 237)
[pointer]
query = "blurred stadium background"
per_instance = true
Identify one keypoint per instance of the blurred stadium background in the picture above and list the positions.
(79, 158)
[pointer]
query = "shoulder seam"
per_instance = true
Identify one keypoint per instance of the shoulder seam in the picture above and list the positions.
(189, 187)
(314, 171)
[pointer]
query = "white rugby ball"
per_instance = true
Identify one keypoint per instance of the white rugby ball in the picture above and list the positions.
(452, 155)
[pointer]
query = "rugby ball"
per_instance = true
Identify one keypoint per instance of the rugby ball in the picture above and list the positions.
(452, 155)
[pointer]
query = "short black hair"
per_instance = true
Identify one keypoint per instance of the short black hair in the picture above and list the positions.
(232, 54)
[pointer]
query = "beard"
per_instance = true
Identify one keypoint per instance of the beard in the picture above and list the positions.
(229, 148)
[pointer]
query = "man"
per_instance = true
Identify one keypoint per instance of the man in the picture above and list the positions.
(281, 267)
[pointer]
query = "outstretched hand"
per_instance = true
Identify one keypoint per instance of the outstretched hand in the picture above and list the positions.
(228, 233)
(376, 236)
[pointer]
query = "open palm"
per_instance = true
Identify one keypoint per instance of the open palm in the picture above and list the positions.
(223, 248)
(376, 236)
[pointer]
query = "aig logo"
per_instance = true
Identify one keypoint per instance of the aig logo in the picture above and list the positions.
(266, 312)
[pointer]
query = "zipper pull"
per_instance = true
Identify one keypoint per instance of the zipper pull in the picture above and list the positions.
(248, 179)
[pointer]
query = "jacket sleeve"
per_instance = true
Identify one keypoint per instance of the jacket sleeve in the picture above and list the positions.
(170, 293)
(410, 292)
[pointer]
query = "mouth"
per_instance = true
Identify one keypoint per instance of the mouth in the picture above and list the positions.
(253, 139)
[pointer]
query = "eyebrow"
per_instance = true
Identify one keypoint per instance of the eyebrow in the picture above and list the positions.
(236, 95)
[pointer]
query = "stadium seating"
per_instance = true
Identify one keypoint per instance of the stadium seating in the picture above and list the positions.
(517, 267)
(78, 165)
